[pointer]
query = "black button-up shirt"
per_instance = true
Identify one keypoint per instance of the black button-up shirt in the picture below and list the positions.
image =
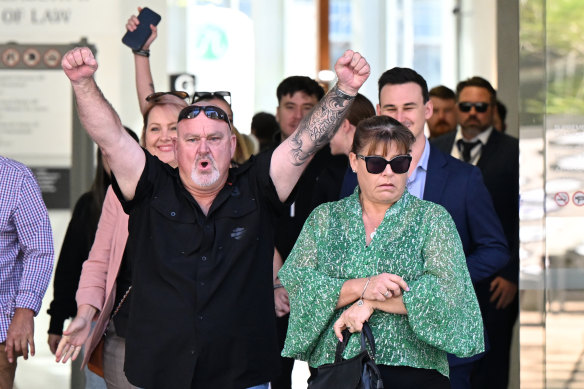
(202, 307)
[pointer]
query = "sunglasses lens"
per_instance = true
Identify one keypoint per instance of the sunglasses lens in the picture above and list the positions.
(212, 113)
(375, 165)
(481, 107)
(400, 164)
(465, 107)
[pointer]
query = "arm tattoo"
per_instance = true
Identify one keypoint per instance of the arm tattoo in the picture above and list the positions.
(318, 127)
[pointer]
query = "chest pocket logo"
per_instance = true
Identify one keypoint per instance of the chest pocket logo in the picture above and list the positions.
(238, 233)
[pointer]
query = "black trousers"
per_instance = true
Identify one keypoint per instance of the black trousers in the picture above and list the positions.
(406, 377)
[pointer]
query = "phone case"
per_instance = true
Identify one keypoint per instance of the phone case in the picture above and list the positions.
(136, 39)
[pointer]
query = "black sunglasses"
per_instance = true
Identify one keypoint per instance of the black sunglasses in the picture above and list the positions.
(480, 107)
(400, 164)
(155, 96)
(212, 112)
(203, 96)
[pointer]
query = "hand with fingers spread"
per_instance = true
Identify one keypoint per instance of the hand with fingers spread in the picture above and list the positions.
(72, 340)
(353, 318)
(79, 64)
(20, 335)
(384, 286)
(76, 334)
(352, 72)
(132, 25)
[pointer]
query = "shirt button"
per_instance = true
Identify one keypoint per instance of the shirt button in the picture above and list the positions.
(220, 248)
(203, 258)
(200, 317)
(235, 211)
(202, 283)
(173, 213)
(192, 352)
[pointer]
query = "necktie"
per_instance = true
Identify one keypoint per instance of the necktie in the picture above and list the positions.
(466, 148)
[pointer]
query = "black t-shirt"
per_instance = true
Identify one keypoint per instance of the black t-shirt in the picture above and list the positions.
(290, 223)
(202, 308)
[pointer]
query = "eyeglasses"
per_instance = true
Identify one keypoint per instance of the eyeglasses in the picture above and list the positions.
(155, 96)
(400, 164)
(203, 96)
(480, 107)
(212, 112)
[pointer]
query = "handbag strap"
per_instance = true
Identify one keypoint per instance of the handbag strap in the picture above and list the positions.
(341, 345)
(121, 302)
(366, 337)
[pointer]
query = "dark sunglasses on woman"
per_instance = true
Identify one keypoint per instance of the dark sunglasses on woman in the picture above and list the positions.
(400, 164)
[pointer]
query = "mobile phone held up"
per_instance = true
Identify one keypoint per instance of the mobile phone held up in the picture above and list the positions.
(136, 39)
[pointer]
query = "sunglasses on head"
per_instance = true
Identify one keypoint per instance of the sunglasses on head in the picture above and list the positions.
(400, 164)
(155, 96)
(212, 112)
(480, 107)
(203, 96)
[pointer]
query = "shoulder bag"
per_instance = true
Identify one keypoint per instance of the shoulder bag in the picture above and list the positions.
(95, 362)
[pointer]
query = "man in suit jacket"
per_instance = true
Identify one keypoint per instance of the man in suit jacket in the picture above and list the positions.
(497, 155)
(442, 179)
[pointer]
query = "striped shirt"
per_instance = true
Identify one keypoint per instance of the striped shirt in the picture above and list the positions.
(26, 243)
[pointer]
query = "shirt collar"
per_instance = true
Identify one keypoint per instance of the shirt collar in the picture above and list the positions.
(483, 136)
(423, 162)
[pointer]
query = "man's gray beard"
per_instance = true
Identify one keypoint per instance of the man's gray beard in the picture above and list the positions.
(205, 180)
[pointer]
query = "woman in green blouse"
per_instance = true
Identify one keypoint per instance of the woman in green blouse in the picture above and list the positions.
(382, 255)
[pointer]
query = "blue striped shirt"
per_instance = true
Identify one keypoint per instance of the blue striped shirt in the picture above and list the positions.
(26, 243)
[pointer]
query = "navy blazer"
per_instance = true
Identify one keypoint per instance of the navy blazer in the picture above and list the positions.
(459, 188)
(499, 164)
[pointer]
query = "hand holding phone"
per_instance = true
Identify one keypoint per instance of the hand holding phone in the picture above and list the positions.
(136, 39)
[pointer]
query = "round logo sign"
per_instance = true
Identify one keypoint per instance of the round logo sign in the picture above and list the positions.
(578, 198)
(10, 57)
(562, 198)
(31, 57)
(52, 58)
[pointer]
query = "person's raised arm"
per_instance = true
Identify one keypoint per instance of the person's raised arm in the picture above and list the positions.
(100, 120)
(317, 128)
(143, 73)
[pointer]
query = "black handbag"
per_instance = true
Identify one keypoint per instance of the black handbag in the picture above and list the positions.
(359, 372)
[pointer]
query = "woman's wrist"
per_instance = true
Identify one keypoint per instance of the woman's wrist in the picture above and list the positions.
(142, 52)
(365, 288)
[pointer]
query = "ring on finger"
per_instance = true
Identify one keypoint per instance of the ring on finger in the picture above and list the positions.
(386, 294)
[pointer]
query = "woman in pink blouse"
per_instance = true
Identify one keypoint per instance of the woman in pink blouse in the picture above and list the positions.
(106, 275)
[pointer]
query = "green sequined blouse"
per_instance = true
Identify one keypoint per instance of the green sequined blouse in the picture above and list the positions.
(416, 240)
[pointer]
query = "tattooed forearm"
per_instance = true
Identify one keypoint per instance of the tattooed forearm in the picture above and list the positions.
(318, 127)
